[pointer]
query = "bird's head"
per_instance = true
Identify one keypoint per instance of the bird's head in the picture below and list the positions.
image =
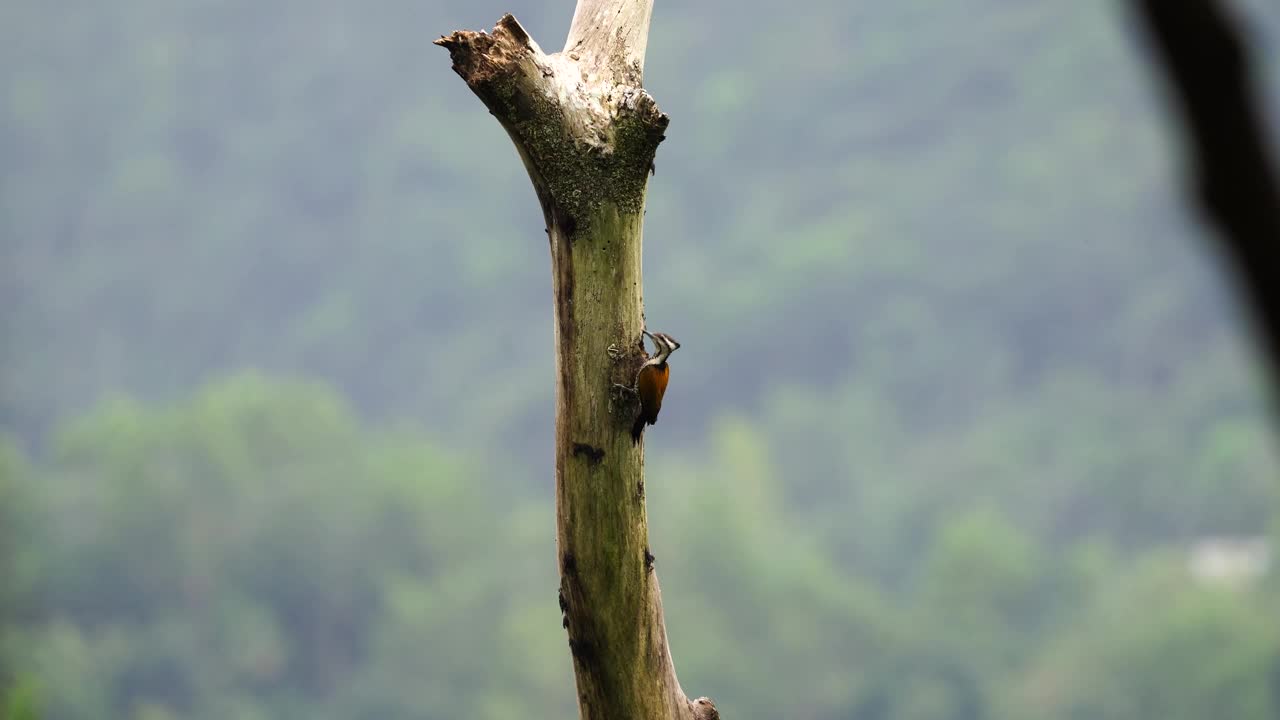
(663, 343)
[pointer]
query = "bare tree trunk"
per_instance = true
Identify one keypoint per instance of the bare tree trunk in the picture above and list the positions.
(587, 133)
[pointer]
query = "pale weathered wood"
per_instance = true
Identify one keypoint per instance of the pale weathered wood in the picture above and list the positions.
(610, 38)
(587, 133)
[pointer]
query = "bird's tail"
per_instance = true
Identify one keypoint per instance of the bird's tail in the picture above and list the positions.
(637, 430)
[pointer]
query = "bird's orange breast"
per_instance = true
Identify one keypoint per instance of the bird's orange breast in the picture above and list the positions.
(652, 385)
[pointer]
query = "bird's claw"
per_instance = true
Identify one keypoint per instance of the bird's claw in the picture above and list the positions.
(614, 352)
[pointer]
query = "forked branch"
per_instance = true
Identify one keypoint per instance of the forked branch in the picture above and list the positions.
(587, 133)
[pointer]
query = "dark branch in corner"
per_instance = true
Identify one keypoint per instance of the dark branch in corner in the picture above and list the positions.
(1208, 69)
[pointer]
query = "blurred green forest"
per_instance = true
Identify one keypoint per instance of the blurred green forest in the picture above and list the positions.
(962, 387)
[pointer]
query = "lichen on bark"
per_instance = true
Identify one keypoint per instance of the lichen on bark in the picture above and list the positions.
(586, 140)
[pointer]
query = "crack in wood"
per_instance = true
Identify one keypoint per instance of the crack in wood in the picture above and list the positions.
(594, 455)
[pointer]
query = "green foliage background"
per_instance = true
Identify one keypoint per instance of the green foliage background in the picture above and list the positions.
(960, 384)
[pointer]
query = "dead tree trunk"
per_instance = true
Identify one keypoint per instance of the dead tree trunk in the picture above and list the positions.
(587, 133)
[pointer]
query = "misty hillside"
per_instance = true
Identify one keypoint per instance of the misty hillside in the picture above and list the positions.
(961, 384)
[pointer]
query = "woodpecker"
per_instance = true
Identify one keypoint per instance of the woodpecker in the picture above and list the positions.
(651, 382)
